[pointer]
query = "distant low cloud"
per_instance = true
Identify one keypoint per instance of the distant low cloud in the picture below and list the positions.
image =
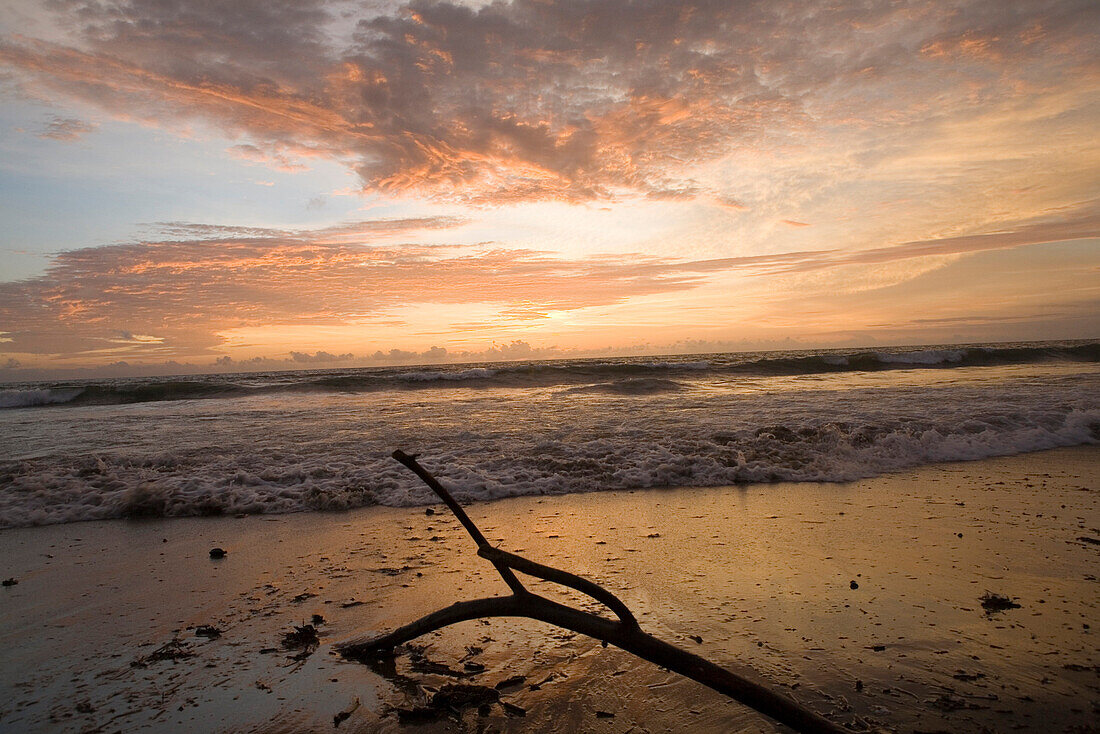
(270, 156)
(353, 231)
(320, 357)
(515, 350)
(66, 129)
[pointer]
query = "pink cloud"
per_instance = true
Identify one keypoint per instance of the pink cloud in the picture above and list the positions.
(531, 100)
(177, 296)
(180, 294)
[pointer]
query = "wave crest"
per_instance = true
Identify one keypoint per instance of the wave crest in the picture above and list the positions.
(586, 375)
(65, 489)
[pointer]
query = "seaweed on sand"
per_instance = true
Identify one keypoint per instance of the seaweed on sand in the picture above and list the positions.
(997, 602)
(172, 650)
(302, 637)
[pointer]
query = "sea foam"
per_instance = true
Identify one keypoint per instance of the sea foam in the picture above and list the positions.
(290, 455)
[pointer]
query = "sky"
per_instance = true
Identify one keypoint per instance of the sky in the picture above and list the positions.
(216, 185)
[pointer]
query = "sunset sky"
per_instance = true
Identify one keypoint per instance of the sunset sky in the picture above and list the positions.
(324, 182)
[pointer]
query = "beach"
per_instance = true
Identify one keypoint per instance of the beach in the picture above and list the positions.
(769, 330)
(860, 599)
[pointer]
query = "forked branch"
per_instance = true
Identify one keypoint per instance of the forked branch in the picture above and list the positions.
(623, 633)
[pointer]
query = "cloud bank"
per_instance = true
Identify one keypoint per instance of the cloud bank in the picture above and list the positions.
(529, 100)
(178, 297)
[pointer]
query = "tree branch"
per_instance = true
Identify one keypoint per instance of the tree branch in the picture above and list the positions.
(624, 633)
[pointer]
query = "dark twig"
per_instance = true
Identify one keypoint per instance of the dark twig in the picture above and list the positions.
(452, 503)
(624, 633)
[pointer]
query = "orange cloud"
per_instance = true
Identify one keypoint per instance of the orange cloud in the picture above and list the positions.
(183, 293)
(177, 297)
(530, 100)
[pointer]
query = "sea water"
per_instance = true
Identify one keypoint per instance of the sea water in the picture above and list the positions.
(321, 440)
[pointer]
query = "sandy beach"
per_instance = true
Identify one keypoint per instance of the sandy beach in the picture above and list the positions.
(773, 325)
(860, 599)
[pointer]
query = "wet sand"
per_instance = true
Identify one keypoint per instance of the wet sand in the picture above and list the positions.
(762, 574)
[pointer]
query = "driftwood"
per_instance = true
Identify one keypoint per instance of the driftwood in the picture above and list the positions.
(623, 632)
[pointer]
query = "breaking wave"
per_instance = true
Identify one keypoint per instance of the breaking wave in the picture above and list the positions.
(317, 466)
(631, 386)
(624, 376)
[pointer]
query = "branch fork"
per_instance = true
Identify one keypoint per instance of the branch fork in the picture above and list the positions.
(623, 632)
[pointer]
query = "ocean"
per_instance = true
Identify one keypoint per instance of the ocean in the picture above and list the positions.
(318, 440)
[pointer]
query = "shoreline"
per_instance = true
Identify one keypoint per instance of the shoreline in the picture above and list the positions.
(761, 573)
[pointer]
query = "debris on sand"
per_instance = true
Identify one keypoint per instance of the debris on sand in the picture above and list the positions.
(302, 637)
(172, 650)
(217, 553)
(10, 581)
(948, 702)
(997, 602)
(207, 630)
(463, 695)
(419, 662)
(346, 713)
(451, 698)
(418, 715)
(514, 682)
(513, 710)
(389, 571)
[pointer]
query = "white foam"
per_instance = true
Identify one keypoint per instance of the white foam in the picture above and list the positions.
(292, 453)
(698, 365)
(34, 397)
(476, 373)
(927, 356)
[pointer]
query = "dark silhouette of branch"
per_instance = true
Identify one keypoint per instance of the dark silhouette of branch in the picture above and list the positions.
(623, 633)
